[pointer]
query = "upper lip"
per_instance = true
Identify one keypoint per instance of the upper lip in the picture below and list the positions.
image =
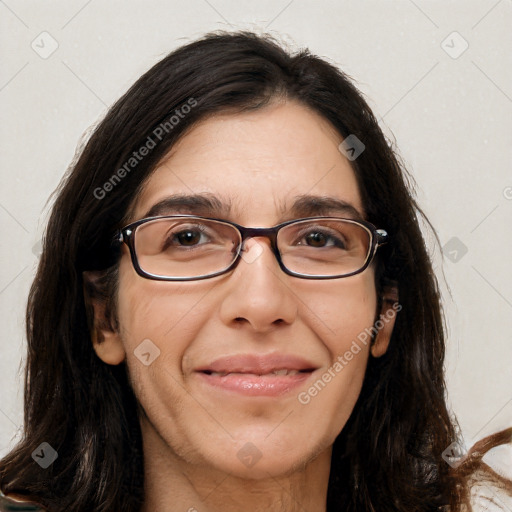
(257, 364)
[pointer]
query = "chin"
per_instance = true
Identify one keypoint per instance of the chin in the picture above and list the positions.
(261, 458)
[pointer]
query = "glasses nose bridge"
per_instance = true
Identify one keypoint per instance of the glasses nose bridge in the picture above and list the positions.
(270, 233)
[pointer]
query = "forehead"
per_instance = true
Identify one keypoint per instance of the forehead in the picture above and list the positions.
(254, 168)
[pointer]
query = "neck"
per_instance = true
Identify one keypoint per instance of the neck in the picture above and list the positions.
(173, 484)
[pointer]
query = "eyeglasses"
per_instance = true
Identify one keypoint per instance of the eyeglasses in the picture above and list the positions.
(187, 247)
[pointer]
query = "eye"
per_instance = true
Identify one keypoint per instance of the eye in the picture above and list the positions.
(188, 237)
(182, 236)
(326, 238)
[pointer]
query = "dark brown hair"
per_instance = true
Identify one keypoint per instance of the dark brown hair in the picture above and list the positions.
(387, 457)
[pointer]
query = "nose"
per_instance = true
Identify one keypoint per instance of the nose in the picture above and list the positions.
(258, 294)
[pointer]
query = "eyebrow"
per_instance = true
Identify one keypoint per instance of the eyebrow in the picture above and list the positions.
(198, 204)
(323, 206)
(209, 205)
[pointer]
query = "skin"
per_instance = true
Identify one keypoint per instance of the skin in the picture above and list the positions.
(260, 161)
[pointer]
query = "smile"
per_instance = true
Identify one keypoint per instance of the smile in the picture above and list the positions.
(283, 371)
(255, 375)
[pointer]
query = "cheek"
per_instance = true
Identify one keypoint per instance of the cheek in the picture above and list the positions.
(158, 322)
(169, 314)
(342, 320)
(340, 311)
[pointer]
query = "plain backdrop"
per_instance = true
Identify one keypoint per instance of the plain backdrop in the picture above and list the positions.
(438, 75)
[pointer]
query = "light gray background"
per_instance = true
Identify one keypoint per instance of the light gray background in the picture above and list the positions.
(451, 118)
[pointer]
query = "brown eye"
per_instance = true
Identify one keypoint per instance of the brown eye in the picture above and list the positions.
(188, 237)
(316, 239)
(191, 237)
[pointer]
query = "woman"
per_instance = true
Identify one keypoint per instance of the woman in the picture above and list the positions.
(235, 308)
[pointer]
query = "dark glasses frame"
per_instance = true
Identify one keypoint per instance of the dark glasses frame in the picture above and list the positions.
(126, 235)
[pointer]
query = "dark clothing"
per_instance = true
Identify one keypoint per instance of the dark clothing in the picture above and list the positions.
(11, 505)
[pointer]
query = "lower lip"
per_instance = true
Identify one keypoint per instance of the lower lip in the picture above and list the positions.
(256, 385)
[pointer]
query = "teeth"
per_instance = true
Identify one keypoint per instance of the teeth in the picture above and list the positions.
(284, 371)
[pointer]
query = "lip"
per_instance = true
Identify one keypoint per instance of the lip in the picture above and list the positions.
(253, 375)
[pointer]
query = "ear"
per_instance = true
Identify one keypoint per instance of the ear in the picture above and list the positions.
(105, 336)
(386, 321)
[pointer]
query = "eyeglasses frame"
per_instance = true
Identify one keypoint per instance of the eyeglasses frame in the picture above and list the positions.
(126, 235)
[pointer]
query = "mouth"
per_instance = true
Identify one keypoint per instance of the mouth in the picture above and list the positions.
(254, 375)
(277, 372)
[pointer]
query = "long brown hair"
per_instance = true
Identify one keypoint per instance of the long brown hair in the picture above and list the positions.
(389, 454)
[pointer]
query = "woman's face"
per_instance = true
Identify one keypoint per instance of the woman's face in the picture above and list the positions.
(255, 317)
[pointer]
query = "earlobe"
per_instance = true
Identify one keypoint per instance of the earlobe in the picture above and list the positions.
(105, 337)
(386, 322)
(110, 349)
